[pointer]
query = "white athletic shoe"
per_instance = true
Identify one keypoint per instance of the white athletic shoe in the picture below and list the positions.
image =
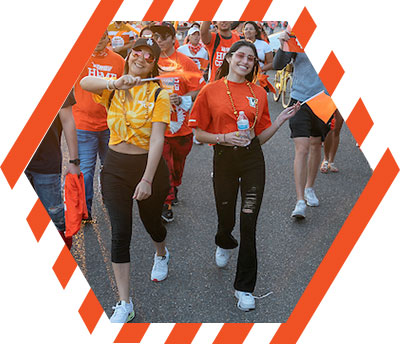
(123, 312)
(300, 210)
(311, 199)
(160, 267)
(222, 257)
(246, 301)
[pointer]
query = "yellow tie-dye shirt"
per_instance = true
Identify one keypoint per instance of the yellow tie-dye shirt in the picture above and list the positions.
(131, 120)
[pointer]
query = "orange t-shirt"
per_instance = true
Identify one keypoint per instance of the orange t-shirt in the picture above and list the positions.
(88, 114)
(220, 52)
(181, 85)
(212, 110)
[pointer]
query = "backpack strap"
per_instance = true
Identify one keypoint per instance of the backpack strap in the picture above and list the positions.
(158, 90)
(110, 99)
(216, 44)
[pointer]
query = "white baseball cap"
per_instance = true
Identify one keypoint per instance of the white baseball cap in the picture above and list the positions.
(192, 30)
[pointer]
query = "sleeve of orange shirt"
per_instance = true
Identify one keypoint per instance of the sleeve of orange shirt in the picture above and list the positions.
(210, 45)
(200, 116)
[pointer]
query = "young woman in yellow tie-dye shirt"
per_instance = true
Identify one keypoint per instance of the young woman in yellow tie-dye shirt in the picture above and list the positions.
(138, 115)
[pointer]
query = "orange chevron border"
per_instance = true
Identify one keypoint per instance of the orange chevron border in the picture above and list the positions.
(358, 219)
(369, 200)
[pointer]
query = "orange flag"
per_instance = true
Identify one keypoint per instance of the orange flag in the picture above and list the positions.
(263, 80)
(292, 45)
(74, 203)
(322, 105)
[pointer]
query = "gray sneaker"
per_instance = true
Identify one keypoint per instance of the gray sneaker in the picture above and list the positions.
(311, 199)
(160, 267)
(300, 210)
(246, 301)
(123, 312)
(222, 257)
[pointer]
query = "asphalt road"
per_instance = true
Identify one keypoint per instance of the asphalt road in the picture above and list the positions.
(289, 251)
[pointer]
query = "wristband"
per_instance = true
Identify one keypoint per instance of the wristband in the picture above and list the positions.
(108, 85)
(76, 162)
(145, 180)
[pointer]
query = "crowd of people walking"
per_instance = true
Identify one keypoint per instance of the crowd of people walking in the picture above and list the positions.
(141, 102)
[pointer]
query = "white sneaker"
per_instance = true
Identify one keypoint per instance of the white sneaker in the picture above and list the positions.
(222, 257)
(123, 312)
(300, 210)
(309, 196)
(246, 301)
(160, 267)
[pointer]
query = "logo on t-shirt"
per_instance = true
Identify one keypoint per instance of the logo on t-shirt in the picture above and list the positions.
(102, 71)
(146, 104)
(220, 55)
(252, 101)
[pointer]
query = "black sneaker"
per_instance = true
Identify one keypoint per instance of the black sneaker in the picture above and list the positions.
(167, 215)
(175, 201)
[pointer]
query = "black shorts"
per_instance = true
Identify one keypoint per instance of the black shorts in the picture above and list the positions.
(306, 124)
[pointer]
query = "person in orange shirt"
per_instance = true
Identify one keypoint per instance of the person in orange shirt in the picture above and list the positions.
(138, 115)
(183, 90)
(91, 118)
(238, 158)
(217, 44)
(121, 36)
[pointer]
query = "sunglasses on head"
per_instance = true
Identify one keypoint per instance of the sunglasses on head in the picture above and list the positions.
(148, 57)
(241, 56)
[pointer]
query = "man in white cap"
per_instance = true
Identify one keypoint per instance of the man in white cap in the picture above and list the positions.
(195, 49)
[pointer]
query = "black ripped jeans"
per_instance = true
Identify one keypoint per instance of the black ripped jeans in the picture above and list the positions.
(244, 167)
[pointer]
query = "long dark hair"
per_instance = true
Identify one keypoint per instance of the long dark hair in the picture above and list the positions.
(256, 27)
(224, 69)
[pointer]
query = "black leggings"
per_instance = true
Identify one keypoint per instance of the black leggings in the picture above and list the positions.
(119, 178)
(230, 164)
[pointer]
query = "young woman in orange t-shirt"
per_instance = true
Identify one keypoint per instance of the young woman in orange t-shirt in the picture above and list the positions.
(133, 168)
(238, 158)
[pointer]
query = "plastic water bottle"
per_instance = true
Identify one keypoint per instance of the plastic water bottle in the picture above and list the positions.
(243, 125)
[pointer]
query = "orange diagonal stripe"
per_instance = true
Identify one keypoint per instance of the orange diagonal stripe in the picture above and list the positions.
(205, 10)
(44, 114)
(344, 242)
(91, 311)
(183, 333)
(38, 219)
(158, 9)
(359, 122)
(64, 266)
(255, 10)
(132, 333)
(304, 27)
(331, 73)
(233, 333)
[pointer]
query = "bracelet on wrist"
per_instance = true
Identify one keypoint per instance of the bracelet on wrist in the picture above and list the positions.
(108, 85)
(114, 86)
(147, 181)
